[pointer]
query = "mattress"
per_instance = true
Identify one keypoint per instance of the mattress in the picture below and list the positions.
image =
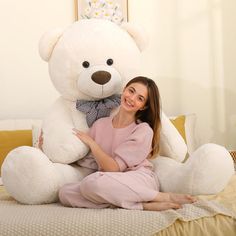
(210, 215)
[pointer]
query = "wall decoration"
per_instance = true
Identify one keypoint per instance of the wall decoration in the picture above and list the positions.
(113, 10)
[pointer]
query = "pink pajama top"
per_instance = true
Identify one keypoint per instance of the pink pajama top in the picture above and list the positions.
(129, 146)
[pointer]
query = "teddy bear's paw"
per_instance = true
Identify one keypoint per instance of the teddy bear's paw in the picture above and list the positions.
(74, 151)
(210, 168)
(66, 152)
(29, 176)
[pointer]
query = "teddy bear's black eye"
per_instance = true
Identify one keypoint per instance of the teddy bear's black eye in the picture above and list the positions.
(109, 62)
(85, 64)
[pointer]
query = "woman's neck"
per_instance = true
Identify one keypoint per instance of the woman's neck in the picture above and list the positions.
(123, 119)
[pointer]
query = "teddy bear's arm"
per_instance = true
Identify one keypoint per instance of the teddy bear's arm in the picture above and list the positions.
(171, 142)
(59, 142)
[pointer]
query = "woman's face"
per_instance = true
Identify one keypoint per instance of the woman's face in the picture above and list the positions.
(134, 97)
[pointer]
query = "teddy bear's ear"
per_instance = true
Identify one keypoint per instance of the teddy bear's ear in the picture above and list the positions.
(137, 33)
(48, 42)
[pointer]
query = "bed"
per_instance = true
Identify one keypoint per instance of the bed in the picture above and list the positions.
(210, 215)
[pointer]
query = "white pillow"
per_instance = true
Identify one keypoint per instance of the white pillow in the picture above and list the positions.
(36, 130)
(190, 125)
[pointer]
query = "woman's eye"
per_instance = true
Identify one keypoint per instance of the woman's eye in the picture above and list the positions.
(141, 99)
(131, 90)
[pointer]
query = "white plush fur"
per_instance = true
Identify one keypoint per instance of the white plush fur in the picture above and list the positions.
(206, 171)
(31, 178)
(171, 142)
(34, 177)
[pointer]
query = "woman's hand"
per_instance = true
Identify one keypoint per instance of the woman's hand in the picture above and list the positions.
(84, 137)
(104, 161)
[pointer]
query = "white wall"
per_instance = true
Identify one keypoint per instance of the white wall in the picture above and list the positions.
(229, 55)
(25, 87)
(191, 55)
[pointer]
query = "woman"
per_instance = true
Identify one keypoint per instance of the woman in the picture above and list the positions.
(121, 147)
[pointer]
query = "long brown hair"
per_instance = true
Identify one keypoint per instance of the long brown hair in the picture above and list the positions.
(152, 112)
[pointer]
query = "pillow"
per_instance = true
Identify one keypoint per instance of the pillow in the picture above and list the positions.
(179, 123)
(10, 139)
(172, 144)
(233, 155)
(185, 124)
(36, 131)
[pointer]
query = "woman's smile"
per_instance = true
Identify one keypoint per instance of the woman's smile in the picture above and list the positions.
(134, 97)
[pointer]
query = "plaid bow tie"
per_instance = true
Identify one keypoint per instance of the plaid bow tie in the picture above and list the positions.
(97, 109)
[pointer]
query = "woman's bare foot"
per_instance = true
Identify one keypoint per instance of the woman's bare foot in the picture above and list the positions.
(175, 198)
(160, 206)
(182, 198)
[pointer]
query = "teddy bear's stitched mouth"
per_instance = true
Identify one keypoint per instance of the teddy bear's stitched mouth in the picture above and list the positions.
(96, 97)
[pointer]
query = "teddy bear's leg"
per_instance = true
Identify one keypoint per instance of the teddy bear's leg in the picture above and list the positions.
(169, 173)
(31, 178)
(206, 171)
(210, 168)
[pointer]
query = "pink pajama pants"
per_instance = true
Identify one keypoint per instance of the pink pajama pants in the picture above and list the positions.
(105, 189)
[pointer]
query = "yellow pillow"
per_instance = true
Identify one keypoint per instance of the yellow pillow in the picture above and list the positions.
(179, 123)
(11, 139)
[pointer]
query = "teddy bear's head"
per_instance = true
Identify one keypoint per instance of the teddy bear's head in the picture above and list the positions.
(92, 58)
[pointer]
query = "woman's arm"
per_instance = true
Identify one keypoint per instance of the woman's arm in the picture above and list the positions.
(106, 162)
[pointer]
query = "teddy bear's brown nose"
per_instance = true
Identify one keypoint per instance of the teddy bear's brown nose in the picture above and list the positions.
(101, 77)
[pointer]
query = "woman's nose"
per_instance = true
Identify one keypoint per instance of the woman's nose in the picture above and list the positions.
(132, 97)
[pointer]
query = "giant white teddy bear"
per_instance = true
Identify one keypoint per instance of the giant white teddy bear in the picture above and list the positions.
(92, 60)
